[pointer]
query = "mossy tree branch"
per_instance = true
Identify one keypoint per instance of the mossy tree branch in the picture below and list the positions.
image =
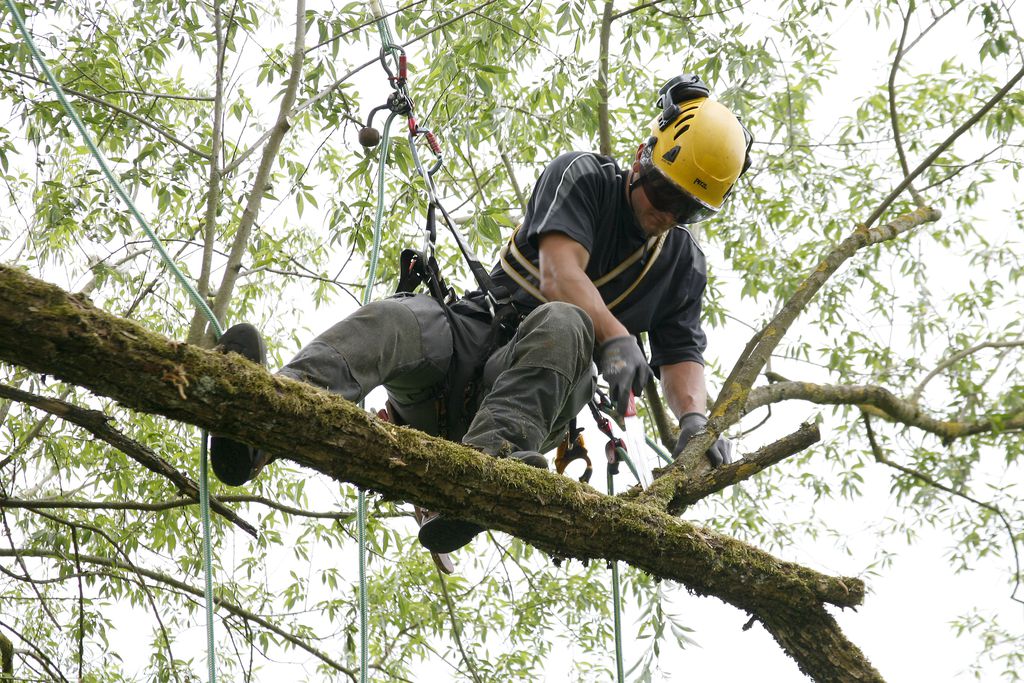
(6, 656)
(719, 478)
(76, 342)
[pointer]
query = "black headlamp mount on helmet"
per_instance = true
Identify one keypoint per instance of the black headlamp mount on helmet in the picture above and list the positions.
(682, 88)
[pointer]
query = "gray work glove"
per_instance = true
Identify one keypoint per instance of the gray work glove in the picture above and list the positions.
(623, 365)
(720, 452)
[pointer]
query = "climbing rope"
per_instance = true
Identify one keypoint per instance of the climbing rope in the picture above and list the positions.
(388, 47)
(204, 493)
(612, 470)
(361, 507)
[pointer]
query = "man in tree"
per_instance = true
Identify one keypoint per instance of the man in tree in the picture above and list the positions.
(596, 261)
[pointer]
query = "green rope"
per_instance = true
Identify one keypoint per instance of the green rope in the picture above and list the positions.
(364, 607)
(361, 512)
(616, 598)
(204, 494)
(656, 447)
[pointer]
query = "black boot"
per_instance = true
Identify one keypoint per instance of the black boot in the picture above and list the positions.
(235, 463)
(441, 534)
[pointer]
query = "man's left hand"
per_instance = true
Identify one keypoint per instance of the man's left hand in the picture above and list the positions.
(720, 452)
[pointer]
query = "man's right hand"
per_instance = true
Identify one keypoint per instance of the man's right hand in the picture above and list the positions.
(622, 364)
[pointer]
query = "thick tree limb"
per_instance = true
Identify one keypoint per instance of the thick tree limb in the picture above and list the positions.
(6, 655)
(891, 406)
(720, 478)
(98, 424)
(73, 340)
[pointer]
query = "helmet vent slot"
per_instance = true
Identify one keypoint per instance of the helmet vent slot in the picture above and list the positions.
(686, 111)
(682, 118)
(681, 131)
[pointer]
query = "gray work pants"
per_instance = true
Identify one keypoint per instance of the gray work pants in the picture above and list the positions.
(439, 379)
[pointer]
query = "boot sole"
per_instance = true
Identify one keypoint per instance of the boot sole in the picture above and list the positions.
(442, 535)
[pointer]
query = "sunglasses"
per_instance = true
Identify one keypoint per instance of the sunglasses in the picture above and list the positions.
(666, 197)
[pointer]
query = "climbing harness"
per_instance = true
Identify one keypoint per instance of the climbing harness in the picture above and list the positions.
(204, 489)
(510, 257)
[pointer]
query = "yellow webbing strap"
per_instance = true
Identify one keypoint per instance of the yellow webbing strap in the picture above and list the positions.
(510, 249)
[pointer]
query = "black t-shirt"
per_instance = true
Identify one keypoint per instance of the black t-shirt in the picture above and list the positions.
(583, 195)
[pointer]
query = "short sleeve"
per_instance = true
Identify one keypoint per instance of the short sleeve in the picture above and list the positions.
(567, 199)
(678, 336)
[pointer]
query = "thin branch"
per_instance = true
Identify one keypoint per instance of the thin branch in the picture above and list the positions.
(37, 653)
(915, 396)
(344, 77)
(160, 95)
(183, 587)
(456, 627)
(960, 168)
(361, 26)
(262, 180)
(55, 504)
(507, 163)
(654, 3)
(880, 457)
(936, 18)
(604, 131)
(943, 146)
(213, 186)
(113, 107)
(43, 604)
(74, 526)
(893, 116)
(81, 603)
(97, 424)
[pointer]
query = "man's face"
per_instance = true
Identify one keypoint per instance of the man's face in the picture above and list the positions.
(651, 220)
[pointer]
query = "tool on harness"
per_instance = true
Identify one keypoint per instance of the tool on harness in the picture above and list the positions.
(615, 449)
(635, 440)
(573, 449)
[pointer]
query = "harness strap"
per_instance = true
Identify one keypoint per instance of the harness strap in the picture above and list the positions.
(512, 251)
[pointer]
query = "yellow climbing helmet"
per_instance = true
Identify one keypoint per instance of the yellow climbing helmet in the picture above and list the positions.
(696, 152)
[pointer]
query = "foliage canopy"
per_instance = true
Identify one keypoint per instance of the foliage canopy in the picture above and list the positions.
(909, 356)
